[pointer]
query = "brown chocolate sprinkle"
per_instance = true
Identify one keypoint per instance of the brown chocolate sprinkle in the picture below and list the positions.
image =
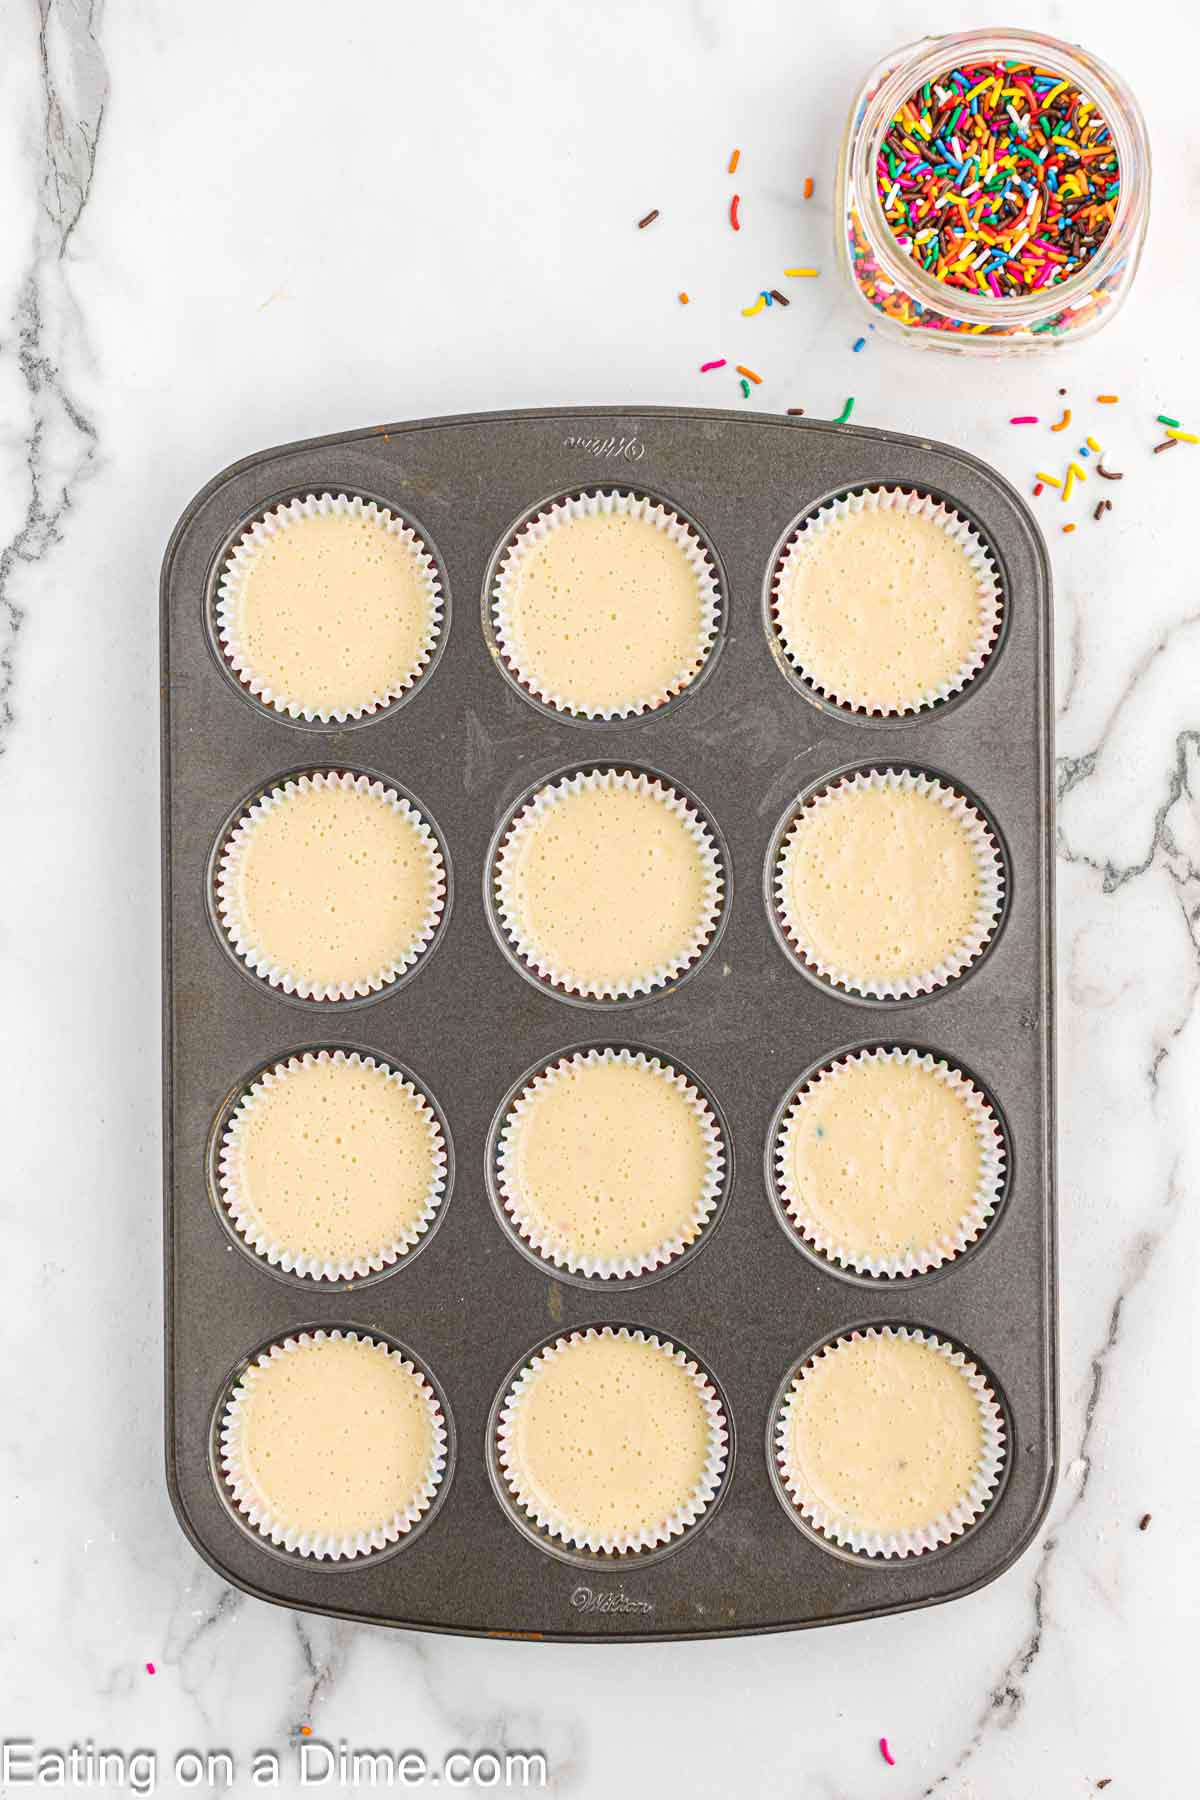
(1105, 1782)
(1110, 474)
(1167, 444)
(795, 412)
(781, 298)
(1144, 1521)
(648, 220)
(1102, 506)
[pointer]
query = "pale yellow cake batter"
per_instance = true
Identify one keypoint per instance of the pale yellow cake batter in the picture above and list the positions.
(334, 1437)
(606, 1160)
(885, 1435)
(608, 884)
(880, 608)
(883, 1157)
(604, 614)
(881, 884)
(609, 1437)
(333, 885)
(332, 1161)
(333, 613)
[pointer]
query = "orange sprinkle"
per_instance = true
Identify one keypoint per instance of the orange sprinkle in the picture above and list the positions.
(1067, 528)
(749, 374)
(1107, 399)
(1064, 421)
(808, 187)
(683, 299)
(734, 160)
(733, 212)
(306, 1731)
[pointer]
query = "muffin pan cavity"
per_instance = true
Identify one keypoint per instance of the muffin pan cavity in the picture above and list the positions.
(648, 928)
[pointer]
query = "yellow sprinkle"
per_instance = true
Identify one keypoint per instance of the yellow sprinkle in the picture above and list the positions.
(1050, 480)
(1184, 437)
(802, 271)
(1093, 445)
(1052, 94)
(748, 312)
(1069, 483)
(1080, 474)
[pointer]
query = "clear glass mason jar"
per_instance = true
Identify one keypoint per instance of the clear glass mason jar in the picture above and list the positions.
(904, 300)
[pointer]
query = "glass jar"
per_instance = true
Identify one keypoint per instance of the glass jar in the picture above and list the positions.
(901, 297)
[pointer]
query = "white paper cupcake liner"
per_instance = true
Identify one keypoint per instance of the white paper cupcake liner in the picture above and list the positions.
(610, 502)
(240, 562)
(247, 1222)
(551, 1246)
(534, 810)
(283, 1531)
(977, 553)
(578, 1533)
(939, 1531)
(984, 1200)
(293, 981)
(989, 863)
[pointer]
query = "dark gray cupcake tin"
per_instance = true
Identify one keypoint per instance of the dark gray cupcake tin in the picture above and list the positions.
(748, 1022)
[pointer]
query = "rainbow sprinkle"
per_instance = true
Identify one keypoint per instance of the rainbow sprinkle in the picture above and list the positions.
(1000, 179)
(843, 417)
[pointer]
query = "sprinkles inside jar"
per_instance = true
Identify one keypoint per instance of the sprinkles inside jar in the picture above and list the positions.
(1000, 178)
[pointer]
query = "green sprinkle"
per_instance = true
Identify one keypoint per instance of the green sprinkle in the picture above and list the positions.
(745, 390)
(1173, 423)
(844, 416)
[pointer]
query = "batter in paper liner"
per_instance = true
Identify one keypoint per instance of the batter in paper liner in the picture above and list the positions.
(883, 1157)
(884, 1435)
(882, 882)
(607, 1160)
(334, 1437)
(604, 614)
(880, 607)
(610, 1436)
(333, 612)
(333, 884)
(609, 883)
(333, 1159)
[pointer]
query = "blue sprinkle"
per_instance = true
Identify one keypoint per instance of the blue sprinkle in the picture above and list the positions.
(1084, 451)
(766, 297)
(860, 343)
(820, 1131)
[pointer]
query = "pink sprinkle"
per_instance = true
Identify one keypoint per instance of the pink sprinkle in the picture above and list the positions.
(886, 1754)
(150, 1669)
(1024, 419)
(719, 364)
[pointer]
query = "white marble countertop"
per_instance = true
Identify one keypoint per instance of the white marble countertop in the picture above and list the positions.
(236, 225)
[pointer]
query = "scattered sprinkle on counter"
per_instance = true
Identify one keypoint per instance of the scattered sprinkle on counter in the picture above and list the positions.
(150, 1669)
(1184, 437)
(1110, 474)
(1163, 420)
(1024, 419)
(745, 387)
(808, 187)
(734, 160)
(1168, 443)
(735, 208)
(1067, 529)
(843, 417)
(1064, 421)
(779, 299)
(748, 312)
(886, 1754)
(802, 274)
(1144, 1521)
(748, 373)
(1107, 399)
(859, 344)
(718, 364)
(648, 220)
(683, 298)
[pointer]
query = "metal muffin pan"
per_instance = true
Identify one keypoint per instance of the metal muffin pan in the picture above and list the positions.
(467, 1023)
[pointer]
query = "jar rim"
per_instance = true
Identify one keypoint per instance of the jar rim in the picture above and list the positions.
(918, 62)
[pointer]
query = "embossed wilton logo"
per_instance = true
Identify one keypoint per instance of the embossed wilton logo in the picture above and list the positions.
(615, 1600)
(628, 449)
